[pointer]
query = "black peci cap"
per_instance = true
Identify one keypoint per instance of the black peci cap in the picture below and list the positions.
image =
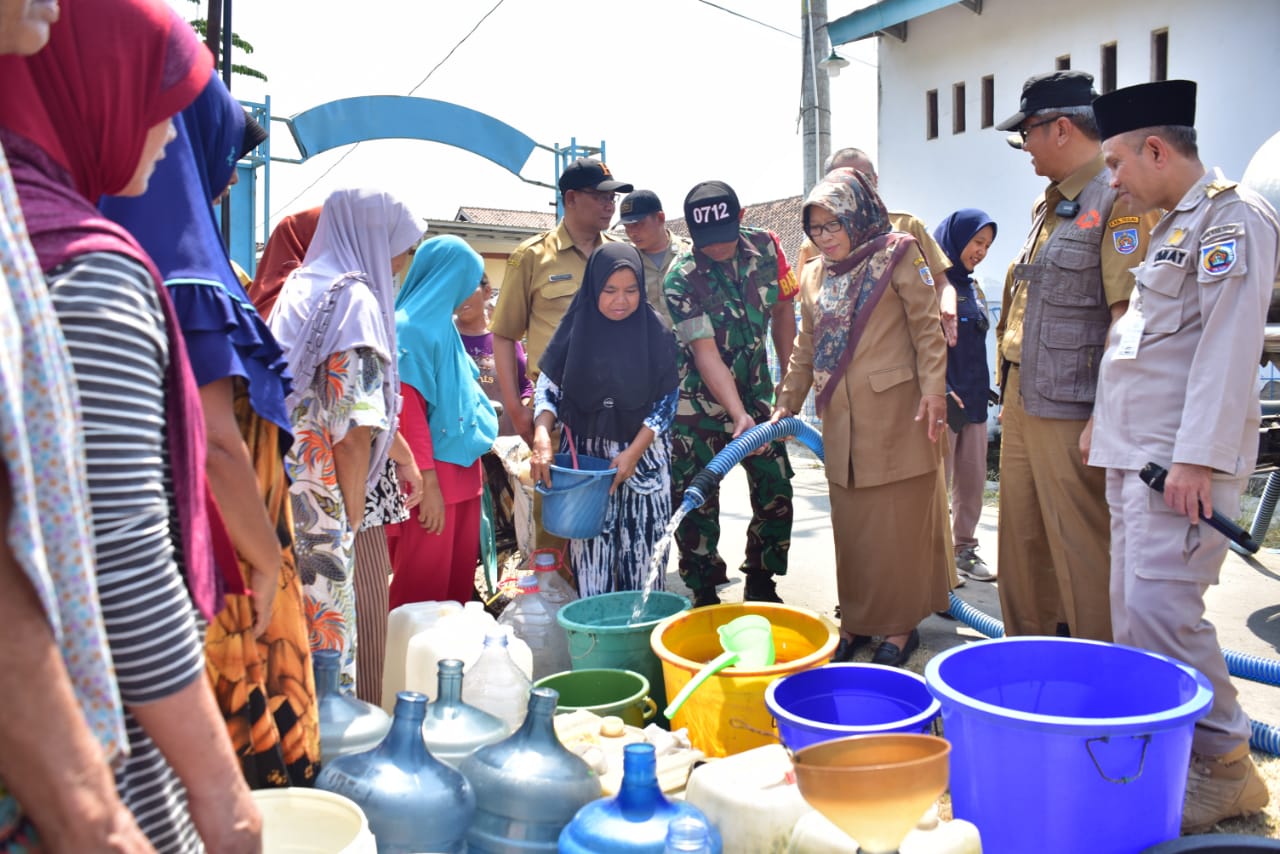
(711, 213)
(1168, 102)
(1049, 91)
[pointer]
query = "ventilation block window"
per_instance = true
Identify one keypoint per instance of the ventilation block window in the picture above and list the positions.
(988, 101)
(1160, 55)
(1108, 82)
(931, 114)
(957, 108)
(1063, 63)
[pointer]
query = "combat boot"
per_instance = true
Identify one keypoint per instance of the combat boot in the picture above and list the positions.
(1221, 787)
(761, 588)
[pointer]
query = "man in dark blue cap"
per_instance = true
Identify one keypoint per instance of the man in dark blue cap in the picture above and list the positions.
(726, 296)
(1178, 388)
(1069, 282)
(645, 222)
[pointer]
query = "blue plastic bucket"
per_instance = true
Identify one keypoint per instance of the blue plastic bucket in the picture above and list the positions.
(575, 505)
(1065, 745)
(838, 700)
(602, 632)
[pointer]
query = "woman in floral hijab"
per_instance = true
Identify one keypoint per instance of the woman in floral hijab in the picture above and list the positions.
(871, 347)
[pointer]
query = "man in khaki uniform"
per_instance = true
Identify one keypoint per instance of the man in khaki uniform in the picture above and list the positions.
(1178, 388)
(543, 274)
(645, 222)
(1069, 282)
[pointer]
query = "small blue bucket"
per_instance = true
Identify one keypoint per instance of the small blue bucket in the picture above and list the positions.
(1061, 746)
(575, 505)
(842, 699)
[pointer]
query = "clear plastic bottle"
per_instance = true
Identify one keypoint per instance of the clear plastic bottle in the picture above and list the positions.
(688, 835)
(533, 622)
(495, 684)
(555, 590)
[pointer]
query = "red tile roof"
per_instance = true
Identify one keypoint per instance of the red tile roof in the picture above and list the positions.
(781, 216)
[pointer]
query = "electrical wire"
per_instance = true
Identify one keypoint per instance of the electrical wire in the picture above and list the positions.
(419, 85)
(748, 18)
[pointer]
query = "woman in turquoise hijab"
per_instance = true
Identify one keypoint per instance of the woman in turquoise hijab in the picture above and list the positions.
(448, 422)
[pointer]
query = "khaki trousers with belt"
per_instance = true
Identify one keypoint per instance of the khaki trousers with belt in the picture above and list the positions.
(1054, 529)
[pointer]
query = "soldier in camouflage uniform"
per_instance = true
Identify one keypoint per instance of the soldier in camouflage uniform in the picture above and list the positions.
(722, 297)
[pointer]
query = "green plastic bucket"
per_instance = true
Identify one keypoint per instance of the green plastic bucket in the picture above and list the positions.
(605, 692)
(602, 635)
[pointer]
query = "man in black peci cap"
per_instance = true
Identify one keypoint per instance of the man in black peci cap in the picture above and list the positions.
(1069, 282)
(1178, 389)
(543, 274)
(646, 225)
(725, 295)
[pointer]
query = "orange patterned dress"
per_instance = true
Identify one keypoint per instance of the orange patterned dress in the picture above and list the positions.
(264, 686)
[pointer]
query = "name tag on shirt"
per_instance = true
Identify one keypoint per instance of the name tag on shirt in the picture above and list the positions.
(1130, 327)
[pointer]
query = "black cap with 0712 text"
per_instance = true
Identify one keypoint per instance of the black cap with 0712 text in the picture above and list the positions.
(711, 213)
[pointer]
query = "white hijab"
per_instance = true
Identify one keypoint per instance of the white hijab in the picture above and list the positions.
(343, 296)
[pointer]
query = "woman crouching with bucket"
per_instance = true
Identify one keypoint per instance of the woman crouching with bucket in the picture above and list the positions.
(609, 376)
(871, 346)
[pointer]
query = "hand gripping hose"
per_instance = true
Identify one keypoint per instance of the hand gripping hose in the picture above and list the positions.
(1266, 737)
(707, 480)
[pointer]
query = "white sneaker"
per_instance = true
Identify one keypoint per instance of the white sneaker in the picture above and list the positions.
(971, 566)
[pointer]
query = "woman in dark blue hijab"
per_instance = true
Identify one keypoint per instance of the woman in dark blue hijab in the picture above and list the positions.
(966, 236)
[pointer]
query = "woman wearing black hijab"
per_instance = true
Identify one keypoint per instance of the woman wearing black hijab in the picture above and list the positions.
(609, 377)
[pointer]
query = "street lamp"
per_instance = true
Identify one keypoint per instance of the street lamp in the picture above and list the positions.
(833, 63)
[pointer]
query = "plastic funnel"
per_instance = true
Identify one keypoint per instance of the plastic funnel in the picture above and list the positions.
(747, 642)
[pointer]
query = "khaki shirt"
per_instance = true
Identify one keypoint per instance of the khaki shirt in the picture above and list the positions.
(1190, 394)
(1117, 278)
(938, 261)
(543, 274)
(654, 277)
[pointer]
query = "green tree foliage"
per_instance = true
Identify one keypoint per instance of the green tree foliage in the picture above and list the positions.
(201, 26)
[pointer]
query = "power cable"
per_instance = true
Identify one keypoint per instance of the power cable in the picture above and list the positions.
(748, 18)
(419, 85)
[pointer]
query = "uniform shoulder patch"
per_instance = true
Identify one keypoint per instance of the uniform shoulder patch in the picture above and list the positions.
(1219, 185)
(1217, 259)
(923, 269)
(788, 285)
(1122, 220)
(1125, 240)
(1219, 232)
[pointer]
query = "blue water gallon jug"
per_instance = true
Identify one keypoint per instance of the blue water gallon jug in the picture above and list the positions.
(637, 821)
(527, 787)
(414, 802)
(347, 724)
(454, 730)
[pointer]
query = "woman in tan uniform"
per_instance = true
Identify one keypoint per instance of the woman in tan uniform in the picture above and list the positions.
(871, 346)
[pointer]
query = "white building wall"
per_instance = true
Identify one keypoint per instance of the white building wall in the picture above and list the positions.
(1230, 47)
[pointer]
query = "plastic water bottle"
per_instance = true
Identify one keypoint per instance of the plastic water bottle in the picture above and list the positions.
(533, 622)
(495, 684)
(688, 835)
(556, 592)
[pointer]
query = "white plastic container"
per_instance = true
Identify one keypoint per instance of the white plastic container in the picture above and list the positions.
(815, 834)
(456, 632)
(402, 624)
(751, 798)
(556, 592)
(495, 683)
(535, 624)
(310, 821)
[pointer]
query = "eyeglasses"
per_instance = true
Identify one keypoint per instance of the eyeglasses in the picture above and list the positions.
(1025, 130)
(601, 197)
(833, 227)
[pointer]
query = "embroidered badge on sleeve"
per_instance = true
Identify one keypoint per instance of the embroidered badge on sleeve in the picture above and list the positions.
(1217, 259)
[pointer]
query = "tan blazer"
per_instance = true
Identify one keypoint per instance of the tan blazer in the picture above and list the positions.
(868, 431)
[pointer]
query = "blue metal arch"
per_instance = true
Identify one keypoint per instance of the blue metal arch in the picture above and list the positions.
(352, 120)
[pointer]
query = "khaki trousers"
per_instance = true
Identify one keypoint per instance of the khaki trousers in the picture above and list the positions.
(1054, 531)
(1160, 568)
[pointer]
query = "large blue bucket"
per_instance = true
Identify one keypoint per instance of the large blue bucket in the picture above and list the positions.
(575, 505)
(1065, 745)
(842, 699)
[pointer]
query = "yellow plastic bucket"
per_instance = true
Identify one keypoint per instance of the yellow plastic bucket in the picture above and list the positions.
(728, 714)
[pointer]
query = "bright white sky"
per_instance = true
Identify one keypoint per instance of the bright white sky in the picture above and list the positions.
(679, 91)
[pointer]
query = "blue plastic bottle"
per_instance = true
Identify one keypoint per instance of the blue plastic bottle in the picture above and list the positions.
(414, 802)
(637, 820)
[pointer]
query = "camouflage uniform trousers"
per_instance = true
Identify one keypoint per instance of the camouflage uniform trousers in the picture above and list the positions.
(698, 537)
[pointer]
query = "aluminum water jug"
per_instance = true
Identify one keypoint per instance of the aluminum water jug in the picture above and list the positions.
(454, 730)
(634, 822)
(528, 787)
(347, 725)
(414, 802)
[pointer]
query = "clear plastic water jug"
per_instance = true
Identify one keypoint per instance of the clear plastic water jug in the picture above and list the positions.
(494, 684)
(453, 730)
(689, 835)
(535, 624)
(347, 724)
(555, 589)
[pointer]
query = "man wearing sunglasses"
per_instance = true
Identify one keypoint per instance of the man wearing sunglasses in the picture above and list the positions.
(1068, 284)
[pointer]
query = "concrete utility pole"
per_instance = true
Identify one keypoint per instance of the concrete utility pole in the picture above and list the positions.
(815, 90)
